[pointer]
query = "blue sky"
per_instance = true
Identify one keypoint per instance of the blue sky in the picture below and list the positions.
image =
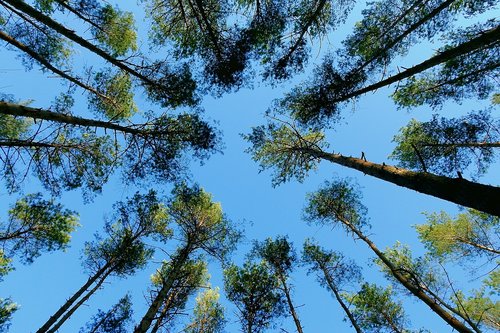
(247, 198)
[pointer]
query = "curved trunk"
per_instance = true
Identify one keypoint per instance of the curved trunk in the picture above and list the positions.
(460, 191)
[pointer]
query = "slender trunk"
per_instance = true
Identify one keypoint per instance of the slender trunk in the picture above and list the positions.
(333, 288)
(290, 303)
(163, 314)
(460, 191)
(486, 39)
(70, 34)
(405, 281)
(479, 246)
(35, 144)
(70, 312)
(73, 299)
(407, 32)
(44, 62)
(36, 113)
(162, 294)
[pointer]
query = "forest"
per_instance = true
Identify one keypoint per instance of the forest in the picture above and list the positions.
(210, 166)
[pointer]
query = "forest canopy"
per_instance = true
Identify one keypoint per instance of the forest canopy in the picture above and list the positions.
(253, 165)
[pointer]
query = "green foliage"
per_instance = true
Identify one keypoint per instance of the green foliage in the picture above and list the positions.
(467, 77)
(202, 222)
(36, 225)
(253, 289)
(285, 150)
(116, 320)
(469, 234)
(336, 202)
(12, 128)
(480, 308)
(329, 266)
(5, 266)
(278, 253)
(445, 146)
(7, 308)
(376, 311)
(208, 314)
(124, 252)
(118, 87)
(189, 277)
(115, 29)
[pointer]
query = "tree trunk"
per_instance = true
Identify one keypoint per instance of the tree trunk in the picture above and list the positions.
(70, 312)
(45, 327)
(178, 261)
(290, 303)
(49, 66)
(464, 145)
(457, 190)
(486, 39)
(412, 288)
(70, 34)
(36, 113)
(333, 288)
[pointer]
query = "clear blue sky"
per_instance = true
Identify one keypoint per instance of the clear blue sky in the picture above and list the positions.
(247, 198)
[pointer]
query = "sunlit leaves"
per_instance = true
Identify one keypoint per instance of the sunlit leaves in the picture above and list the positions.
(208, 314)
(7, 308)
(115, 29)
(284, 149)
(254, 291)
(36, 225)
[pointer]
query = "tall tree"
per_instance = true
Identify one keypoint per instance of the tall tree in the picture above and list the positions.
(202, 226)
(333, 271)
(121, 254)
(338, 202)
(208, 313)
(291, 154)
(254, 291)
(280, 255)
(36, 225)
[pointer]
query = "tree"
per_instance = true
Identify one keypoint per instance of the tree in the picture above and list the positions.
(280, 256)
(447, 146)
(7, 308)
(36, 225)
(113, 321)
(291, 154)
(202, 226)
(254, 291)
(332, 271)
(208, 314)
(469, 234)
(122, 253)
(338, 202)
(375, 310)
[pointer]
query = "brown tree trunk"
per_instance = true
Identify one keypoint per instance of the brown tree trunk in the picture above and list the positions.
(460, 191)
(290, 303)
(70, 312)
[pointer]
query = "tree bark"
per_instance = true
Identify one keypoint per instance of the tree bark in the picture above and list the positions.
(70, 312)
(412, 288)
(457, 190)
